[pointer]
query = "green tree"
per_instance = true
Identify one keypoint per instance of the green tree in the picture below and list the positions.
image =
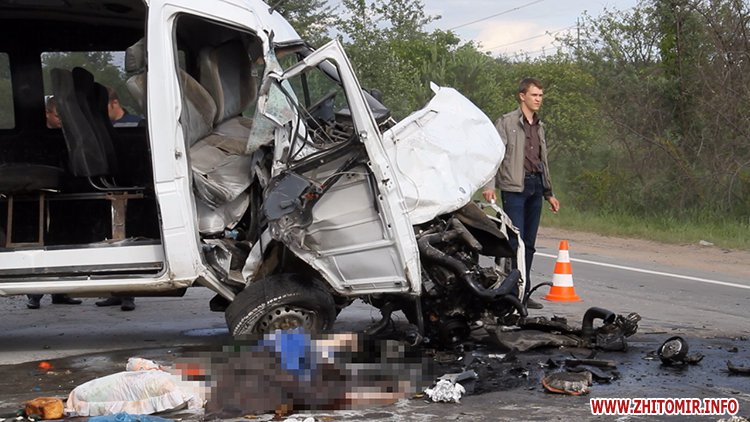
(671, 84)
(311, 18)
(371, 49)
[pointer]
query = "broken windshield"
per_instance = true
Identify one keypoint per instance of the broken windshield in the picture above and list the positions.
(274, 108)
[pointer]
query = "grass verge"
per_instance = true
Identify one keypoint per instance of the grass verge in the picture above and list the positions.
(722, 232)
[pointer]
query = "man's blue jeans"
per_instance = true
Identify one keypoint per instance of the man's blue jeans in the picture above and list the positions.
(525, 210)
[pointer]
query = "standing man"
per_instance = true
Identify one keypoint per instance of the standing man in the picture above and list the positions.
(523, 178)
(118, 115)
(52, 122)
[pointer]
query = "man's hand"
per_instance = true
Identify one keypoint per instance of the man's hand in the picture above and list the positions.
(489, 195)
(554, 204)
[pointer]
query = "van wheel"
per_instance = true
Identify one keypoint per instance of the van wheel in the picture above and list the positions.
(281, 302)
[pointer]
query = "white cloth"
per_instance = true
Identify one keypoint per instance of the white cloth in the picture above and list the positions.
(136, 392)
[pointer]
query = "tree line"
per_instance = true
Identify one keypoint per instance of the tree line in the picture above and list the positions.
(647, 109)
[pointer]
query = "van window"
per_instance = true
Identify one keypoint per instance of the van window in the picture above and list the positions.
(108, 68)
(7, 114)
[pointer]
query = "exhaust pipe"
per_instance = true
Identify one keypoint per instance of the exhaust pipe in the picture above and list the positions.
(587, 327)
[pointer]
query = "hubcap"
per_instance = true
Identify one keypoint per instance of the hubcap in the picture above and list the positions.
(287, 318)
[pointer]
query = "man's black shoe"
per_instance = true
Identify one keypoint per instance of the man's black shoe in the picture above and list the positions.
(33, 303)
(533, 304)
(128, 304)
(110, 301)
(64, 299)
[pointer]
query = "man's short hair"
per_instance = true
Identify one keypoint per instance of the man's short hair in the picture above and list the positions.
(524, 85)
(50, 104)
(112, 94)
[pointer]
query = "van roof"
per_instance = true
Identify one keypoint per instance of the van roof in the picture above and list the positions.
(129, 13)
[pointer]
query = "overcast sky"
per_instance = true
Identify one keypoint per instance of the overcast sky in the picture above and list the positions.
(515, 26)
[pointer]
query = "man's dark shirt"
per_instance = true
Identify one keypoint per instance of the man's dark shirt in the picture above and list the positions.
(533, 161)
(128, 120)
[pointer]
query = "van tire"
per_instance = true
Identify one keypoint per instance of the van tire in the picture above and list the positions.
(281, 301)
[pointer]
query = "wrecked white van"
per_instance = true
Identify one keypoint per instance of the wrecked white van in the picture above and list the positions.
(255, 166)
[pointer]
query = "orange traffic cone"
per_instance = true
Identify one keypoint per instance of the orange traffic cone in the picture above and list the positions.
(562, 289)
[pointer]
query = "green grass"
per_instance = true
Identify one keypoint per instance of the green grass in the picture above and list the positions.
(723, 232)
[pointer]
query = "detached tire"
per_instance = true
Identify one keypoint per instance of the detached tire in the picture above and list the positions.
(281, 302)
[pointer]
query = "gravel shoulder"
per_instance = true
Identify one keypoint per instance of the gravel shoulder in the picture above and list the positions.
(696, 257)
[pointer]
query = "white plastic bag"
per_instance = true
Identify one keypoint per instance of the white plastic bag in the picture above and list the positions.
(446, 391)
(135, 392)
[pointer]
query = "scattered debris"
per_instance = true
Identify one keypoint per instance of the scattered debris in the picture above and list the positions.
(549, 364)
(44, 408)
(449, 387)
(541, 323)
(572, 383)
(500, 356)
(674, 351)
(591, 362)
(694, 358)
(526, 340)
(445, 391)
(459, 377)
(599, 375)
(612, 336)
(539, 331)
(652, 355)
(738, 369)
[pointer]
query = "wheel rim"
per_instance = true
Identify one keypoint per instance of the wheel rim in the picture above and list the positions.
(287, 318)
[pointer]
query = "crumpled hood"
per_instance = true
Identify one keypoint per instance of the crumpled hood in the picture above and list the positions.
(443, 154)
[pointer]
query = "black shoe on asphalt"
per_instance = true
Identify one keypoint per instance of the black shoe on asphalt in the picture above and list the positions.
(110, 301)
(33, 303)
(533, 304)
(65, 300)
(128, 304)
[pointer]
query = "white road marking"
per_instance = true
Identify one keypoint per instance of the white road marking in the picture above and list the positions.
(640, 270)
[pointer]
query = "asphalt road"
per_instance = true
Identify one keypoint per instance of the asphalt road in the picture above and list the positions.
(668, 298)
(708, 309)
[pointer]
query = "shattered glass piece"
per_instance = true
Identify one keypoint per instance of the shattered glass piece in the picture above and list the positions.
(273, 110)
